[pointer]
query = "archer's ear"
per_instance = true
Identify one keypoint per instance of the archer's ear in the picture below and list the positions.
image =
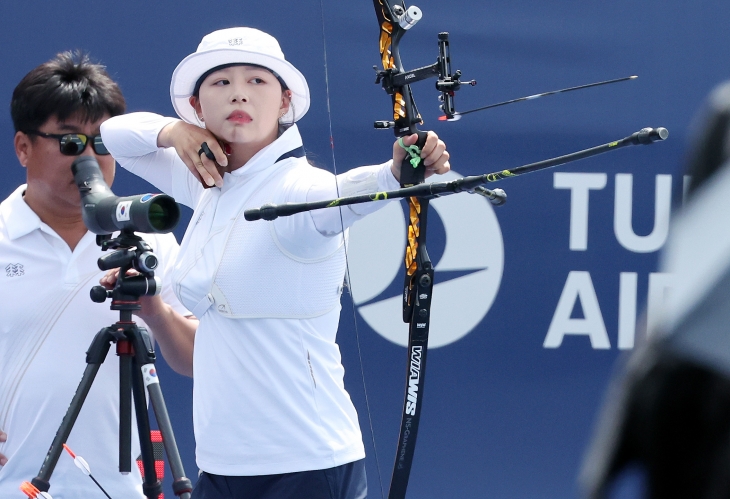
(23, 147)
(285, 101)
(195, 102)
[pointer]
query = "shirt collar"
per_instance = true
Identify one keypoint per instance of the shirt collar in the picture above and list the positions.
(19, 218)
(263, 159)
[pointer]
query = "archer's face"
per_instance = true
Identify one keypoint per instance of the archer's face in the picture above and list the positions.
(242, 105)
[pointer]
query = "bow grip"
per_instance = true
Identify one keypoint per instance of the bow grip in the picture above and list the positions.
(408, 174)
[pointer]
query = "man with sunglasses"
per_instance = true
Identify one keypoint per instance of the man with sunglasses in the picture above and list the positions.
(48, 263)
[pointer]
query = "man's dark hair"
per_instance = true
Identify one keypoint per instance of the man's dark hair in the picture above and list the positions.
(67, 85)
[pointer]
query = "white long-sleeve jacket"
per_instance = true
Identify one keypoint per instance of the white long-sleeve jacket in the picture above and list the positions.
(268, 393)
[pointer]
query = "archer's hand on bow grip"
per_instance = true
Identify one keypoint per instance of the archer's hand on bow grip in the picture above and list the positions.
(410, 175)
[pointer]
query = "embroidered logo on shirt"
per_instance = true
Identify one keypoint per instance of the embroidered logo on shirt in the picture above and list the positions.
(14, 270)
(199, 218)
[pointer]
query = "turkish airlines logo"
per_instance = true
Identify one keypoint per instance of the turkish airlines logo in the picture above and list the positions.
(14, 270)
(467, 277)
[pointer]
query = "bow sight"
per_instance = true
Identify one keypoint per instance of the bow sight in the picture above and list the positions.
(393, 79)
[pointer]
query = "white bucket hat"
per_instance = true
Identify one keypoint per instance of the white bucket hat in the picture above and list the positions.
(236, 46)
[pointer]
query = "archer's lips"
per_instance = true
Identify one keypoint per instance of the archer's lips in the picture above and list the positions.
(239, 117)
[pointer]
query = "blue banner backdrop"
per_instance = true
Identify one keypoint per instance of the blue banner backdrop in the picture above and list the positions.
(534, 301)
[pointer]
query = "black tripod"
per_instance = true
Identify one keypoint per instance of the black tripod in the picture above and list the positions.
(136, 369)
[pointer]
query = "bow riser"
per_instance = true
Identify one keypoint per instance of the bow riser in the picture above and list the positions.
(419, 270)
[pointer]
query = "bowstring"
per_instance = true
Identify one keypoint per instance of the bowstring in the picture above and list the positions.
(347, 262)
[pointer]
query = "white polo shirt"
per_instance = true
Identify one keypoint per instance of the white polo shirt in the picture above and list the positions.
(47, 322)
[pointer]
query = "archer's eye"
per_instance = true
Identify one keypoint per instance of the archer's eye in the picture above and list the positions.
(257, 80)
(222, 82)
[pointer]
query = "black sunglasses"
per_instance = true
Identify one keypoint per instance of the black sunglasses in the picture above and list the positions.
(73, 144)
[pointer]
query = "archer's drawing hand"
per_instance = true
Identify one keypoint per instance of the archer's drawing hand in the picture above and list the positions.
(3, 438)
(434, 155)
(187, 139)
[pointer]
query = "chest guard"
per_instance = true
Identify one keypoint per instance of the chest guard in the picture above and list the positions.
(257, 277)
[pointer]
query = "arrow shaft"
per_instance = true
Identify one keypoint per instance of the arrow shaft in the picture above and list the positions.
(552, 92)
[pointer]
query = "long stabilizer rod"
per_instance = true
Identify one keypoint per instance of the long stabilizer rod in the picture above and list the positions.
(469, 184)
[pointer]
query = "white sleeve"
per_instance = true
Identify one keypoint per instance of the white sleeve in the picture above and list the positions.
(362, 180)
(132, 140)
(312, 234)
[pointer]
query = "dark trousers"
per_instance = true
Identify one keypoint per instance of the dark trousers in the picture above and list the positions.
(342, 482)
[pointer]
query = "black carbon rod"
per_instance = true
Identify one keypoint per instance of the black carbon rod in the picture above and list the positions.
(496, 196)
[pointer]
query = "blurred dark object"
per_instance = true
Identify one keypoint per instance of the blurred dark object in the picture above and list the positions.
(668, 413)
(710, 147)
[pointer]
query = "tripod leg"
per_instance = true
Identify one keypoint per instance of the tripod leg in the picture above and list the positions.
(145, 357)
(181, 485)
(125, 353)
(94, 358)
(152, 487)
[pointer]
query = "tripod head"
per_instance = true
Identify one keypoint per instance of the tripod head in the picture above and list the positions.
(104, 213)
(130, 252)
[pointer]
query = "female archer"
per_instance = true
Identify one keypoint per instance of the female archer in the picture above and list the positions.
(272, 418)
